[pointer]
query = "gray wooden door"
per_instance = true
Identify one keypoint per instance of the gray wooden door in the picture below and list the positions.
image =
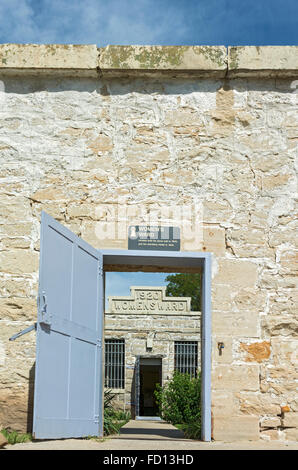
(68, 376)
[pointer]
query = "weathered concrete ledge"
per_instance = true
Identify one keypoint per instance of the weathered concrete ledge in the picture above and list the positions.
(110, 61)
(49, 59)
(148, 60)
(263, 61)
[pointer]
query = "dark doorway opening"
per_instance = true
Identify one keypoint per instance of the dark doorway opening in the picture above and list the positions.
(150, 375)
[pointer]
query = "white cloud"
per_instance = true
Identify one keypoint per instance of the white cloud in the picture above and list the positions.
(16, 21)
(89, 22)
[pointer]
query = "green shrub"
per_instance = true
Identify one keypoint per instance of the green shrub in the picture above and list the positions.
(111, 426)
(179, 400)
(108, 398)
(14, 437)
(121, 415)
(191, 430)
(113, 419)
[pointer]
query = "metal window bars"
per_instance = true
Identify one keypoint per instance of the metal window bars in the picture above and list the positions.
(114, 363)
(186, 357)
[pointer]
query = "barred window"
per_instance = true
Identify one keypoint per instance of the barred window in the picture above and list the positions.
(114, 363)
(186, 357)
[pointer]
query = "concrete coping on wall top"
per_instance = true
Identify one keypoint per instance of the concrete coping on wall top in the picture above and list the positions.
(134, 60)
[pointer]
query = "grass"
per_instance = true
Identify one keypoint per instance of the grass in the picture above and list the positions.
(113, 419)
(113, 422)
(190, 430)
(14, 437)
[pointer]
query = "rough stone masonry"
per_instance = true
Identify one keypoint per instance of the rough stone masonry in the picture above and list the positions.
(207, 129)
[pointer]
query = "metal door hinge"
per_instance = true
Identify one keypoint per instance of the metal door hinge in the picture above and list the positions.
(100, 270)
(96, 419)
(43, 316)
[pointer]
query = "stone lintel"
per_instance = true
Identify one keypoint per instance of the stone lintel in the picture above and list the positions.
(148, 299)
(155, 313)
(136, 60)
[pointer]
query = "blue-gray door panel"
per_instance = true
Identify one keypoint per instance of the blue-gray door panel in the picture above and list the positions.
(82, 384)
(85, 278)
(55, 275)
(53, 357)
(68, 376)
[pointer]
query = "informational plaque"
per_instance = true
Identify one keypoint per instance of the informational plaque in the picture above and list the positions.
(153, 237)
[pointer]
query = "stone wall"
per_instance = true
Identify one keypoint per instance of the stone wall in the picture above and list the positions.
(84, 134)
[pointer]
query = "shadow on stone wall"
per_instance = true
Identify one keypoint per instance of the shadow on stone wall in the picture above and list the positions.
(30, 403)
(16, 406)
(114, 86)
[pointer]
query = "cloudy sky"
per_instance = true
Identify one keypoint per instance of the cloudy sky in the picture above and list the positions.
(172, 22)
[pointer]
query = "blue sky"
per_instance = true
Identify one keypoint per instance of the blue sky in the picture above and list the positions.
(171, 22)
(118, 283)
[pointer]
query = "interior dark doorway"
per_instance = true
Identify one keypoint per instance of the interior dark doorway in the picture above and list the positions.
(150, 375)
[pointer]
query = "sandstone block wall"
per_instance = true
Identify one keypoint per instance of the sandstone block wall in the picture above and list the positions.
(219, 140)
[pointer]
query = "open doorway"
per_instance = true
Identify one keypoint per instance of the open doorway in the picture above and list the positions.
(71, 281)
(152, 329)
(150, 376)
(162, 261)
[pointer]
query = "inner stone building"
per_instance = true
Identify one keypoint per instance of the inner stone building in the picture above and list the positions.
(203, 138)
(148, 335)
